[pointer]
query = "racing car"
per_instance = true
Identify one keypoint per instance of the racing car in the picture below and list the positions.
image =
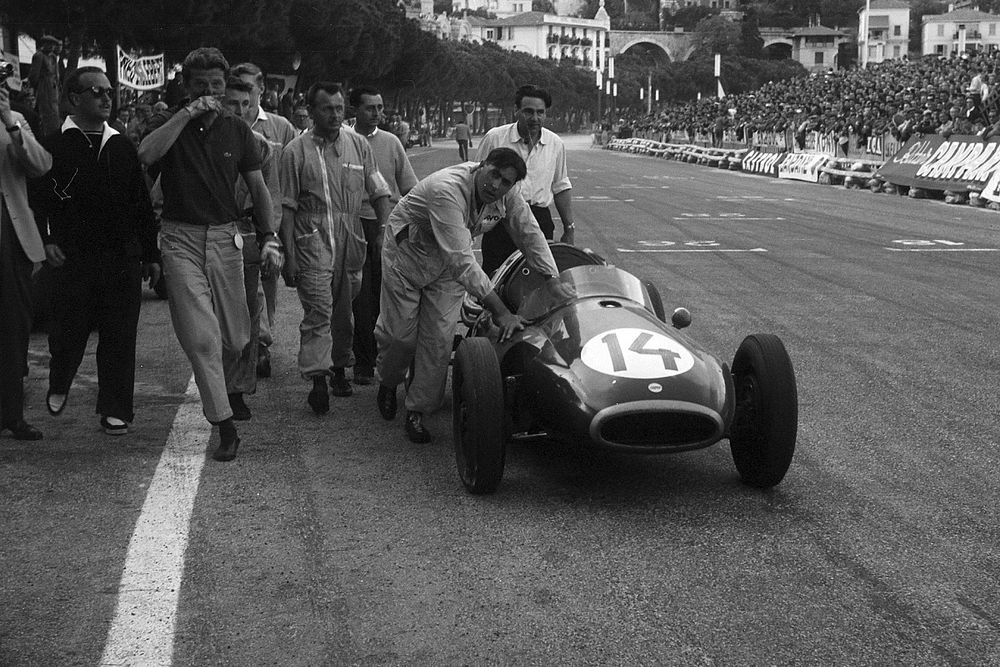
(604, 368)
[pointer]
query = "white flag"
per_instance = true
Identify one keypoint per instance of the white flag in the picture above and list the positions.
(720, 92)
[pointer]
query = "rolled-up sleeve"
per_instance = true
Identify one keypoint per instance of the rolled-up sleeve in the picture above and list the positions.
(288, 174)
(560, 176)
(447, 214)
(527, 235)
(375, 184)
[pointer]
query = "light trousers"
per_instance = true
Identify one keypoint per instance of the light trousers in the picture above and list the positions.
(208, 303)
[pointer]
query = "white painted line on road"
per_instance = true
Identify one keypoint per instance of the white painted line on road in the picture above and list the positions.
(943, 249)
(736, 218)
(142, 630)
(693, 250)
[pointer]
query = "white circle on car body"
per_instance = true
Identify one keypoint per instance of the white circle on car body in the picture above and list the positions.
(637, 354)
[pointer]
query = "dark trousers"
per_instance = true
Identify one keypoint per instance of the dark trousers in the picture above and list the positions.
(463, 149)
(102, 289)
(497, 244)
(366, 304)
(15, 320)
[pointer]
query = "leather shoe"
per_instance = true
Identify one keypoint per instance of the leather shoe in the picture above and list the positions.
(415, 429)
(319, 399)
(339, 384)
(114, 426)
(239, 407)
(387, 402)
(363, 375)
(55, 403)
(226, 451)
(263, 361)
(22, 430)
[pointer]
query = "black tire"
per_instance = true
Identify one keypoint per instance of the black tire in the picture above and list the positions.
(762, 436)
(655, 300)
(478, 416)
(161, 288)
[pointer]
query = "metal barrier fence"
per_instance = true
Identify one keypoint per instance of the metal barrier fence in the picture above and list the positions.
(880, 147)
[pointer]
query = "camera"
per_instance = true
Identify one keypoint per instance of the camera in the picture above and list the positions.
(8, 77)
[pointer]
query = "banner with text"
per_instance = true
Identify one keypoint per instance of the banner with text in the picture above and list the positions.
(762, 162)
(932, 162)
(802, 166)
(145, 73)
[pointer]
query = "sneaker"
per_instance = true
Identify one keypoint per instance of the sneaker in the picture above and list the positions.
(240, 410)
(415, 429)
(339, 384)
(114, 426)
(319, 399)
(387, 402)
(364, 375)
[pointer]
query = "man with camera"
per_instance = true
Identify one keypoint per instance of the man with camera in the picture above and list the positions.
(20, 247)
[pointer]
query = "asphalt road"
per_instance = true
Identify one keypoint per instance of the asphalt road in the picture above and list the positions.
(334, 541)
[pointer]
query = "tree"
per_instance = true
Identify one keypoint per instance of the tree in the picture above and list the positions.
(751, 44)
(544, 6)
(716, 35)
(688, 17)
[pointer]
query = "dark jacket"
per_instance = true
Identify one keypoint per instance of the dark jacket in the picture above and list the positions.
(96, 206)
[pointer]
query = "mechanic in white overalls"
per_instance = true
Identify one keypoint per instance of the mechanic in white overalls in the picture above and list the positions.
(428, 265)
(325, 177)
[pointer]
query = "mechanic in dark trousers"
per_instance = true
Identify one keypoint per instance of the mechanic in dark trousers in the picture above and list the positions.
(547, 181)
(101, 243)
(428, 265)
(20, 246)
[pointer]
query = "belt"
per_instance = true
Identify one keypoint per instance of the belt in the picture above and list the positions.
(536, 205)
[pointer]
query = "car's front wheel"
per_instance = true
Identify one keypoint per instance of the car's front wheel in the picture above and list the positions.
(478, 420)
(762, 436)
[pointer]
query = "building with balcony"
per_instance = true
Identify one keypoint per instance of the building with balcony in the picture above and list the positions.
(549, 36)
(959, 31)
(883, 31)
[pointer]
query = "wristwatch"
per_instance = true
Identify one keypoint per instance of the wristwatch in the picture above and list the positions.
(16, 127)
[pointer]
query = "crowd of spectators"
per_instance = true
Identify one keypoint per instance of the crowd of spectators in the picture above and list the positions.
(900, 97)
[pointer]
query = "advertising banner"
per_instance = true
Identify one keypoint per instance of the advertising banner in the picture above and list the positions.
(932, 162)
(760, 162)
(145, 73)
(802, 166)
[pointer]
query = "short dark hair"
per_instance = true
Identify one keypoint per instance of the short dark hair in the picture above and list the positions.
(328, 87)
(203, 59)
(72, 82)
(361, 91)
(236, 83)
(502, 158)
(252, 70)
(531, 90)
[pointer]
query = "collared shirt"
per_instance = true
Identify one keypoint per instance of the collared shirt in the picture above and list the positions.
(275, 128)
(546, 161)
(198, 173)
(440, 217)
(326, 182)
(269, 170)
(392, 164)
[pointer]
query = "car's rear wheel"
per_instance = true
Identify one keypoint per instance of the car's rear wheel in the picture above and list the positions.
(478, 420)
(655, 300)
(762, 436)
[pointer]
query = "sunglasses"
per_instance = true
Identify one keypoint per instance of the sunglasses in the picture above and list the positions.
(97, 91)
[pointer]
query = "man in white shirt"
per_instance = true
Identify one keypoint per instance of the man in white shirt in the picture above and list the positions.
(547, 181)
(278, 131)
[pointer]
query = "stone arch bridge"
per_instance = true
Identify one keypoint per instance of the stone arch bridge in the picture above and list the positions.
(678, 46)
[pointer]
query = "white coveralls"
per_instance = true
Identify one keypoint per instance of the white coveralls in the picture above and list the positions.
(428, 264)
(325, 183)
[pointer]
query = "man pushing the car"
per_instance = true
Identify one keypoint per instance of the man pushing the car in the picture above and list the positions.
(428, 265)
